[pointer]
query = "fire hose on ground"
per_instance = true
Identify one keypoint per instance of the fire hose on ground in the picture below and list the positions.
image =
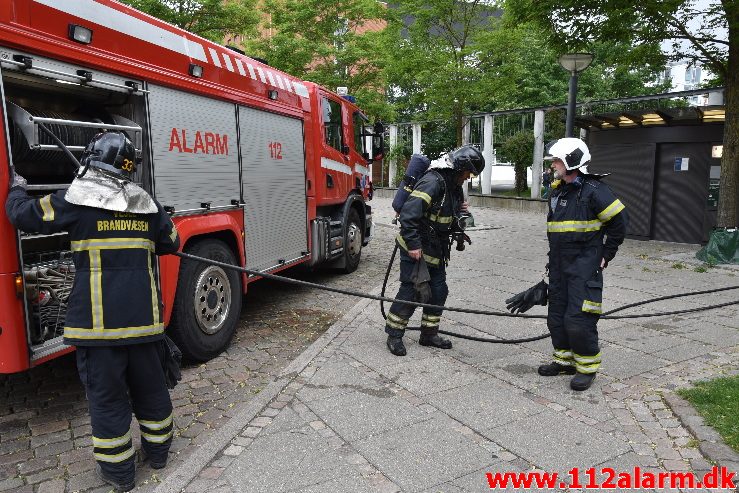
(381, 298)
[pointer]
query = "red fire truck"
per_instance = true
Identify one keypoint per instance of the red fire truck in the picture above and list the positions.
(258, 168)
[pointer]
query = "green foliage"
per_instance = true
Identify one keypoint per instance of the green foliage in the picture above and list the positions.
(519, 149)
(211, 19)
(701, 32)
(433, 63)
(678, 265)
(401, 154)
(718, 402)
(576, 25)
(325, 41)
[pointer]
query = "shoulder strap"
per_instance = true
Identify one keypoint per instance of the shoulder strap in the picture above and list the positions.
(442, 183)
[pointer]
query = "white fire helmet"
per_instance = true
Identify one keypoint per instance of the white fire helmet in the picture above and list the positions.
(573, 153)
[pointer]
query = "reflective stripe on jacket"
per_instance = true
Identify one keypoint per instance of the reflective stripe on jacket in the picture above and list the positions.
(582, 214)
(427, 216)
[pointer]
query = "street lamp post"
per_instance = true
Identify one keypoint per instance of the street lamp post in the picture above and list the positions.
(574, 63)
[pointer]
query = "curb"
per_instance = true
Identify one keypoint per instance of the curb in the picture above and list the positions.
(710, 443)
(178, 479)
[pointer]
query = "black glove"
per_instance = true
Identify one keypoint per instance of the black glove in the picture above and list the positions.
(421, 280)
(171, 363)
(522, 302)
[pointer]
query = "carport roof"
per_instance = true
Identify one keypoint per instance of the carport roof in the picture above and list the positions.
(694, 115)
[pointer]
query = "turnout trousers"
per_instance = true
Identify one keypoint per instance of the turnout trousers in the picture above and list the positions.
(119, 380)
(399, 314)
(575, 305)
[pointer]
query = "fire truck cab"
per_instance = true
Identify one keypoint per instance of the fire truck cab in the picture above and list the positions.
(257, 168)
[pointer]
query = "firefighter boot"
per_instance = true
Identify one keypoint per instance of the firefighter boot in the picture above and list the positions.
(582, 381)
(118, 486)
(396, 346)
(430, 337)
(553, 369)
(155, 464)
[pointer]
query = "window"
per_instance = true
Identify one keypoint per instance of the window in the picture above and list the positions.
(332, 123)
(360, 121)
(692, 77)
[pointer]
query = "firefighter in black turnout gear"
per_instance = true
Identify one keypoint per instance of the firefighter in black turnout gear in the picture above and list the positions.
(429, 218)
(114, 315)
(586, 224)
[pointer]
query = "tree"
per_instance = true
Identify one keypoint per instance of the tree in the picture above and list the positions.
(212, 19)
(434, 66)
(328, 42)
(519, 148)
(696, 35)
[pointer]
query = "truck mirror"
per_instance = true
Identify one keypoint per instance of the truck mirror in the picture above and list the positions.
(378, 146)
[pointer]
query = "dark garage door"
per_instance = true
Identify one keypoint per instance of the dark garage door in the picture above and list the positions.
(632, 173)
(680, 196)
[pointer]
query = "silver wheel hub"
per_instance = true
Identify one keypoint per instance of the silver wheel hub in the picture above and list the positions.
(354, 239)
(212, 299)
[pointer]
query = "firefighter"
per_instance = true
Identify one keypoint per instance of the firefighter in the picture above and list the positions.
(586, 224)
(429, 216)
(114, 315)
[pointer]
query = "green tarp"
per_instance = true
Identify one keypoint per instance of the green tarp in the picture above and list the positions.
(722, 247)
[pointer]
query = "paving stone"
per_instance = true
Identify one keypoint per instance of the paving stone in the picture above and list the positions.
(11, 484)
(286, 461)
(547, 428)
(53, 486)
(43, 476)
(49, 438)
(410, 457)
(359, 414)
(431, 375)
(84, 481)
(484, 405)
(53, 449)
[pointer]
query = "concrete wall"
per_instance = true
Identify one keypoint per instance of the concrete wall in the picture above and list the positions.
(489, 201)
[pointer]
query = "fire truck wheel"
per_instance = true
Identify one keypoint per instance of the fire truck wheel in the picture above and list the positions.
(352, 242)
(207, 305)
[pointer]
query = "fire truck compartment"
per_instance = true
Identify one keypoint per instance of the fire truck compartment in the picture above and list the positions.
(46, 92)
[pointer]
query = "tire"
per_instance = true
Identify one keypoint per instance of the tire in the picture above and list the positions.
(207, 304)
(352, 242)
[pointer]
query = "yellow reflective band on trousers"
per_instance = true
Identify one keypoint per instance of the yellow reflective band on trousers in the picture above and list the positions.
(113, 450)
(156, 425)
(563, 357)
(156, 431)
(430, 320)
(114, 458)
(111, 442)
(157, 438)
(396, 322)
(113, 334)
(421, 195)
(587, 364)
(592, 307)
(47, 208)
(573, 226)
(610, 211)
(428, 258)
